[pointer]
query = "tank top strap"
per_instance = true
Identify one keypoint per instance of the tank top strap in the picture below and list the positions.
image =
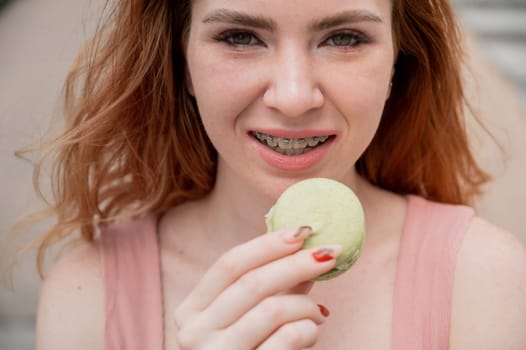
(429, 245)
(132, 285)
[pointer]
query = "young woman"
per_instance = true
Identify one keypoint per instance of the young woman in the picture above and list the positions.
(186, 121)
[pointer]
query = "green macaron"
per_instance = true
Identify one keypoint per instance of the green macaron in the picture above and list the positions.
(333, 212)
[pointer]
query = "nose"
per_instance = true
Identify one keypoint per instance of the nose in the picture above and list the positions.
(293, 88)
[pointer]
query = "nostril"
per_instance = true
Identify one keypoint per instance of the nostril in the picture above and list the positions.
(293, 102)
(318, 98)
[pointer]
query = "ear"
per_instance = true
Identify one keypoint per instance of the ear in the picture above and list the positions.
(390, 85)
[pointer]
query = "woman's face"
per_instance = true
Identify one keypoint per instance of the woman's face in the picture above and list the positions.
(290, 89)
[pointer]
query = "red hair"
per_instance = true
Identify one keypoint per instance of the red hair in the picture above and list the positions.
(134, 143)
(421, 146)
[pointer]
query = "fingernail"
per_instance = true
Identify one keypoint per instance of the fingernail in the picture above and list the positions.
(324, 311)
(326, 254)
(298, 235)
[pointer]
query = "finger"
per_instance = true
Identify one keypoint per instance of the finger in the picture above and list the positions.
(236, 262)
(265, 281)
(302, 288)
(269, 315)
(292, 336)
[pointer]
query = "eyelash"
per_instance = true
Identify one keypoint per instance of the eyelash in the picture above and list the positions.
(228, 38)
(357, 38)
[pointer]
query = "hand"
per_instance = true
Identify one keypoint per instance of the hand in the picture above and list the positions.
(250, 299)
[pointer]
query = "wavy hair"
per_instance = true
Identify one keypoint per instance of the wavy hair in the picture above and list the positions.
(134, 143)
(421, 146)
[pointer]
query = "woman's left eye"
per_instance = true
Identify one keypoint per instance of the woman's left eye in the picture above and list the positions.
(239, 38)
(346, 39)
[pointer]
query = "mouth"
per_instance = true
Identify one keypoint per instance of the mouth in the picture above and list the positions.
(291, 146)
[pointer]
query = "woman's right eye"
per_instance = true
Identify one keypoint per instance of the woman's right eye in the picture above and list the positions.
(239, 38)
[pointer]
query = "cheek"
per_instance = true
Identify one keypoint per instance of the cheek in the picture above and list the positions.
(364, 97)
(360, 85)
(362, 102)
(223, 89)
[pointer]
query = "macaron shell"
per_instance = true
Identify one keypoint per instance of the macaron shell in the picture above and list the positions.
(331, 209)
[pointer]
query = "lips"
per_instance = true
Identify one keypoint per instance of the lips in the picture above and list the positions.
(292, 151)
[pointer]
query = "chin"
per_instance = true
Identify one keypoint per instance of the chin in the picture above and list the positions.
(272, 188)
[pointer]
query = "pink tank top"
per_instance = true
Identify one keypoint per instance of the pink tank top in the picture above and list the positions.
(429, 244)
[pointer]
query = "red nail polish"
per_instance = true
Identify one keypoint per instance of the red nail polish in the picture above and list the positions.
(324, 311)
(323, 255)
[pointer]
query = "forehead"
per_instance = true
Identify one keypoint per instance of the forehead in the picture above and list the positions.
(289, 12)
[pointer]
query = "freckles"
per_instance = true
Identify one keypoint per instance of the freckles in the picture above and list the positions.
(359, 96)
(362, 102)
(371, 89)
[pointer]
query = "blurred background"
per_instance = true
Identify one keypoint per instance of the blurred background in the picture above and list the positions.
(39, 39)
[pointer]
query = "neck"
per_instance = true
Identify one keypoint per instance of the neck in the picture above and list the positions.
(236, 210)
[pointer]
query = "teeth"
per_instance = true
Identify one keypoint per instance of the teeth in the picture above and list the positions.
(284, 144)
(259, 136)
(290, 147)
(313, 141)
(290, 152)
(299, 144)
(272, 141)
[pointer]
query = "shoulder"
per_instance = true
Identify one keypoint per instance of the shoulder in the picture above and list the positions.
(489, 293)
(71, 304)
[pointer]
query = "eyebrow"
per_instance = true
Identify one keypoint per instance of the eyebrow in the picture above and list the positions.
(235, 17)
(345, 17)
(240, 18)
